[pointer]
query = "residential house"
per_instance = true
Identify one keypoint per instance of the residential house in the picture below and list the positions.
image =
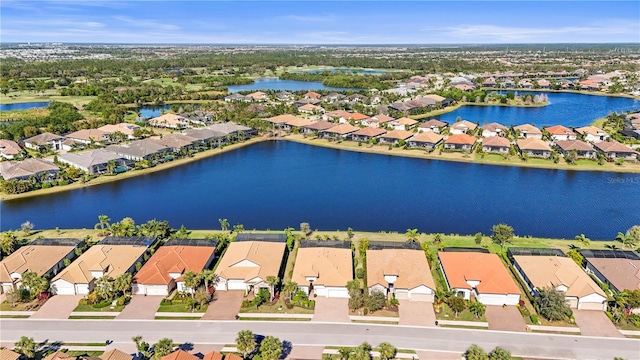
(336, 116)
(140, 150)
(528, 131)
(9, 149)
(249, 260)
(493, 129)
(96, 162)
(462, 142)
(216, 356)
(235, 97)
(206, 137)
(489, 82)
(6, 354)
(284, 96)
(170, 121)
(534, 147)
(23, 170)
(619, 269)
(324, 267)
(355, 98)
(257, 96)
(280, 120)
(317, 127)
(563, 274)
(125, 128)
(312, 95)
(233, 130)
(355, 117)
(462, 127)
(427, 140)
(544, 84)
(340, 131)
(164, 270)
(403, 123)
(367, 134)
(296, 123)
(176, 141)
(464, 87)
(301, 102)
(395, 137)
(432, 125)
(560, 133)
(334, 97)
(311, 109)
(403, 273)
(53, 141)
(88, 136)
(582, 149)
(45, 257)
(480, 274)
(496, 144)
(525, 84)
(592, 134)
(112, 257)
(180, 355)
(376, 120)
(439, 100)
(114, 354)
(614, 150)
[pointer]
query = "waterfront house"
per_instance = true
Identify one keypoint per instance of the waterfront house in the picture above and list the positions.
(45, 257)
(489, 82)
(312, 95)
(496, 144)
(233, 130)
(560, 133)
(493, 129)
(401, 273)
(23, 170)
(355, 117)
(480, 274)
(205, 136)
(367, 134)
(323, 268)
(544, 83)
(88, 136)
(427, 140)
(437, 99)
(562, 274)
(528, 131)
(403, 123)
(284, 96)
(432, 125)
(164, 270)
(376, 120)
(462, 142)
(112, 257)
(9, 149)
(340, 116)
(582, 149)
(395, 137)
(296, 123)
(170, 121)
(534, 147)
(614, 150)
(256, 96)
(249, 260)
(311, 109)
(317, 127)
(47, 139)
(619, 269)
(235, 97)
(176, 141)
(96, 162)
(462, 127)
(592, 134)
(125, 128)
(280, 120)
(341, 131)
(140, 150)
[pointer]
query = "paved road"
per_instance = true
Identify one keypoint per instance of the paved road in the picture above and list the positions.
(306, 333)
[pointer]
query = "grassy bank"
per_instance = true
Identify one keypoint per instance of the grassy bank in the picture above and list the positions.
(586, 165)
(129, 174)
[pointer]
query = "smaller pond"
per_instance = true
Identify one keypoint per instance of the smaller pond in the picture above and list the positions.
(24, 106)
(283, 85)
(151, 111)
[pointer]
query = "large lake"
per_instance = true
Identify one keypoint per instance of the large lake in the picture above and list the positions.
(283, 85)
(273, 185)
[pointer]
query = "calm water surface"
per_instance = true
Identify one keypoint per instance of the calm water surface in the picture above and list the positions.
(283, 85)
(24, 106)
(273, 185)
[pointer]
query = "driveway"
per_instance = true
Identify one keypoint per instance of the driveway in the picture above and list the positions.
(331, 310)
(225, 305)
(306, 353)
(141, 307)
(58, 307)
(416, 313)
(438, 355)
(506, 318)
(594, 323)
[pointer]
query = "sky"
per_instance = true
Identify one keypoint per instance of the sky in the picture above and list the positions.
(317, 22)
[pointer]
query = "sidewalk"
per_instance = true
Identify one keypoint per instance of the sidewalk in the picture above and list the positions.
(95, 313)
(16, 313)
(562, 329)
(275, 316)
(180, 314)
(374, 318)
(479, 324)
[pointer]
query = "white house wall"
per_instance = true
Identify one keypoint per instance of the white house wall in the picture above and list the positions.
(499, 299)
(592, 302)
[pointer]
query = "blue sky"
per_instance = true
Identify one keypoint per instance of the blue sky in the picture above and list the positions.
(315, 22)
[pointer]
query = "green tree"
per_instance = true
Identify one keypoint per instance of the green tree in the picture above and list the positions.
(238, 228)
(362, 352)
(137, 339)
(191, 281)
(104, 288)
(552, 305)
(290, 287)
(344, 353)
(499, 354)
(36, 284)
(224, 224)
(475, 352)
(182, 233)
(583, 240)
(162, 348)
(245, 342)
(632, 238)
(270, 348)
(502, 234)
(9, 242)
(478, 238)
(26, 346)
(209, 275)
(412, 235)
(122, 283)
(457, 304)
(350, 233)
(477, 308)
(375, 301)
(273, 282)
(202, 296)
(387, 351)
(27, 227)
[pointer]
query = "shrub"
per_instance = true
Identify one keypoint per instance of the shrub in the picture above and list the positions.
(634, 319)
(360, 273)
(46, 185)
(101, 304)
(165, 302)
(82, 302)
(534, 318)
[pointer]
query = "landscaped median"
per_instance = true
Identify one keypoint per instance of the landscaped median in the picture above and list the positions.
(299, 308)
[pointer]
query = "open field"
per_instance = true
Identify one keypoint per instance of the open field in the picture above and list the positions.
(49, 95)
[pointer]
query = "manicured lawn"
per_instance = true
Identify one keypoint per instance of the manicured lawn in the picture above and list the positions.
(76, 317)
(85, 353)
(381, 313)
(89, 308)
(466, 315)
(28, 306)
(177, 318)
(277, 308)
(182, 308)
(14, 316)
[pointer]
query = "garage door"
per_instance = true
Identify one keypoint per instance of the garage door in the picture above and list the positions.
(157, 290)
(591, 306)
(320, 290)
(61, 288)
(422, 297)
(402, 295)
(338, 293)
(236, 285)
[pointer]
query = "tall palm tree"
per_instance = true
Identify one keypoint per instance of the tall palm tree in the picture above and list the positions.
(103, 222)
(224, 224)
(387, 351)
(245, 342)
(412, 235)
(290, 288)
(209, 275)
(272, 281)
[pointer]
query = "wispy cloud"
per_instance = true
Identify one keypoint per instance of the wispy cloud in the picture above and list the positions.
(146, 23)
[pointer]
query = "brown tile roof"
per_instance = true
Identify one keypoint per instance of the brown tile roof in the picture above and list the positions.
(554, 271)
(568, 145)
(175, 140)
(405, 121)
(614, 146)
(114, 260)
(282, 119)
(310, 107)
(9, 147)
(342, 129)
(332, 266)
(180, 355)
(528, 128)
(559, 130)
(591, 130)
(37, 258)
(115, 354)
(320, 125)
(231, 356)
(88, 134)
(169, 119)
(213, 356)
(381, 118)
(624, 274)
(338, 114)
(43, 139)
(25, 168)
(461, 139)
(248, 260)
(173, 259)
(370, 131)
(433, 123)
(410, 266)
(398, 134)
(435, 97)
(6, 354)
(496, 141)
(312, 95)
(533, 144)
(461, 267)
(427, 137)
(124, 128)
(463, 125)
(493, 127)
(299, 122)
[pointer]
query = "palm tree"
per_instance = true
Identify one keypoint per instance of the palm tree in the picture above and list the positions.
(477, 308)
(245, 342)
(272, 281)
(26, 346)
(137, 339)
(412, 235)
(344, 353)
(162, 348)
(209, 275)
(103, 222)
(8, 243)
(104, 288)
(583, 239)
(122, 283)
(224, 224)
(387, 351)
(191, 281)
(290, 287)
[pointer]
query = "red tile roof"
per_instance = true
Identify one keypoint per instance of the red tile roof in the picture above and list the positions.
(460, 267)
(463, 139)
(614, 146)
(173, 259)
(496, 141)
(559, 130)
(568, 145)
